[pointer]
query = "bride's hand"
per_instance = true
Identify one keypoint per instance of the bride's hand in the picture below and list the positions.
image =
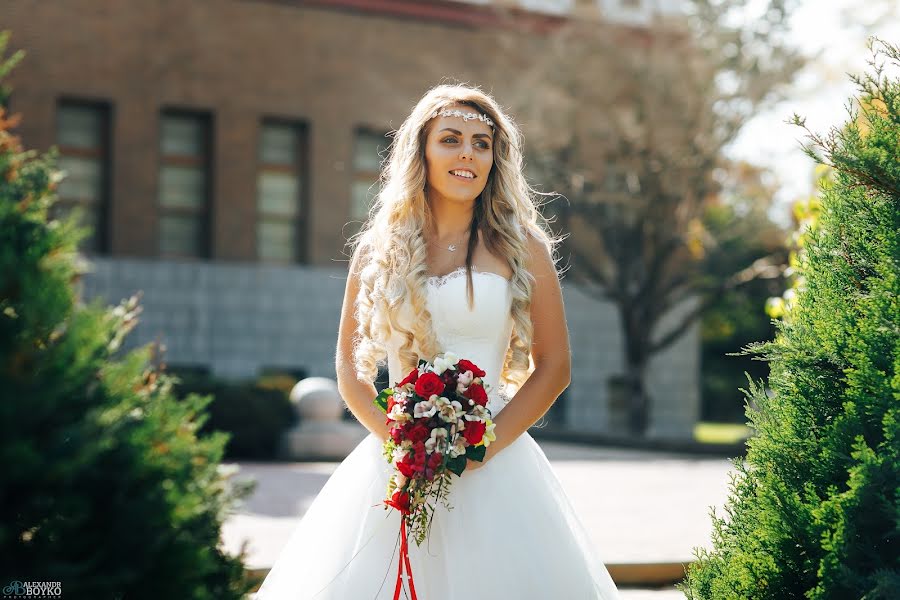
(471, 465)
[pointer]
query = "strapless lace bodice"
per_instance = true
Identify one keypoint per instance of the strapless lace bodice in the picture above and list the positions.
(481, 335)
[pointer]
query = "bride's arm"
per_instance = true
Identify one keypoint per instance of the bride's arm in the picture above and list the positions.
(549, 349)
(356, 393)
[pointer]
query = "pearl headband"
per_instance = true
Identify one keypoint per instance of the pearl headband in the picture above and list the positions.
(466, 116)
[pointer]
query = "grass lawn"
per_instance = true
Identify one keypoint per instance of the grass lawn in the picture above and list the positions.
(720, 433)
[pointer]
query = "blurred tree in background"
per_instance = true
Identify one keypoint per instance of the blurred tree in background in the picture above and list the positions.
(629, 124)
(814, 507)
(107, 487)
(739, 231)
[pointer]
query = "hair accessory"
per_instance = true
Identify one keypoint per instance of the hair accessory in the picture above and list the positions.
(467, 116)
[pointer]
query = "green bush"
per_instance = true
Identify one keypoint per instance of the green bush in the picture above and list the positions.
(107, 488)
(814, 509)
(254, 416)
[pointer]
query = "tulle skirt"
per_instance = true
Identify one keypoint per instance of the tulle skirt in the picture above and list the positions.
(512, 534)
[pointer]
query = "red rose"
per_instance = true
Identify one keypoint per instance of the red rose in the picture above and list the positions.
(466, 365)
(476, 392)
(474, 432)
(419, 452)
(429, 384)
(449, 378)
(434, 461)
(397, 434)
(419, 457)
(400, 501)
(411, 378)
(418, 432)
(405, 467)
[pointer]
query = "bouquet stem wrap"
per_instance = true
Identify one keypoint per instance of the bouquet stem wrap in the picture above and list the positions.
(404, 563)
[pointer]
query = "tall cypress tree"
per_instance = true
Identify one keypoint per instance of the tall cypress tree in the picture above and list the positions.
(106, 487)
(814, 508)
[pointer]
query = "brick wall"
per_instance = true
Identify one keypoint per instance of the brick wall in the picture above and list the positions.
(240, 61)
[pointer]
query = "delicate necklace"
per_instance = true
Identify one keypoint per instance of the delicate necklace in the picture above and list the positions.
(451, 247)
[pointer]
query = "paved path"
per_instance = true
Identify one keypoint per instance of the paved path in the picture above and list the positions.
(638, 506)
(636, 594)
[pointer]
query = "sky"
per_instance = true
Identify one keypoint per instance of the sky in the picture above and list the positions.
(820, 92)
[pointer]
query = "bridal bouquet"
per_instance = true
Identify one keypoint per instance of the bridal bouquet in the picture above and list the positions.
(439, 419)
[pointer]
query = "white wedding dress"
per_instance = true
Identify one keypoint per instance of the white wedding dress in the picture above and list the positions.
(512, 533)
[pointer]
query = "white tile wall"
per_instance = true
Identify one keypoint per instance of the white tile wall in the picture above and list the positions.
(237, 318)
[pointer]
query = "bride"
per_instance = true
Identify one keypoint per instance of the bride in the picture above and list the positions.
(454, 258)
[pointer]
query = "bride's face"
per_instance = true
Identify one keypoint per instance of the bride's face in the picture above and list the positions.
(454, 149)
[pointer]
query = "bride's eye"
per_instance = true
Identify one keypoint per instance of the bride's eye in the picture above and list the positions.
(478, 144)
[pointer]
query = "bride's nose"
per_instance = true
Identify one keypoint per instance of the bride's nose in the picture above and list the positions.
(465, 152)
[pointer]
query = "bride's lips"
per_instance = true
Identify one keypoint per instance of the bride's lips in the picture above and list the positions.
(473, 178)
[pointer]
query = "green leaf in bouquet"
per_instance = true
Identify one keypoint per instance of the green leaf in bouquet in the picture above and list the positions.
(457, 465)
(381, 400)
(476, 452)
(387, 450)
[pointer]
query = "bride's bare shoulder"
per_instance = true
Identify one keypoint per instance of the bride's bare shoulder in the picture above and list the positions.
(540, 260)
(359, 259)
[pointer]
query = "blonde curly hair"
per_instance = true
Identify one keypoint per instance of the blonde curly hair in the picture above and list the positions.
(392, 249)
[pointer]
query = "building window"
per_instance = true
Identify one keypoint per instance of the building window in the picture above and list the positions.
(280, 197)
(554, 7)
(369, 149)
(634, 12)
(184, 185)
(82, 136)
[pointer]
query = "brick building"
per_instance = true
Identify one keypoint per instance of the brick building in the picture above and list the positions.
(224, 150)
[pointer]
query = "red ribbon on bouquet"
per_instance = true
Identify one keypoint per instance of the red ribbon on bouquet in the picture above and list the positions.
(404, 562)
